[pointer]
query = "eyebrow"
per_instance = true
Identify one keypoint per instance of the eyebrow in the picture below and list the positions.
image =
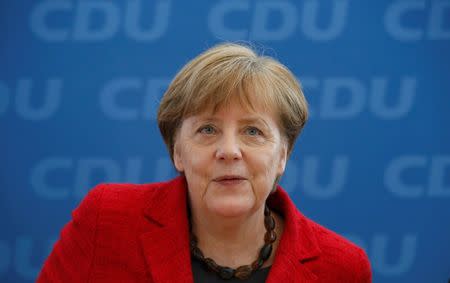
(255, 120)
(251, 119)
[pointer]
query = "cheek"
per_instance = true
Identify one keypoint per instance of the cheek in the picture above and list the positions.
(195, 171)
(195, 161)
(265, 165)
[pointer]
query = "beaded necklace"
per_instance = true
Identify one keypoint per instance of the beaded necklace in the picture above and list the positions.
(244, 271)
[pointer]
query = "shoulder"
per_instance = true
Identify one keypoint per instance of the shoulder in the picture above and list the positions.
(123, 194)
(339, 256)
(121, 198)
(329, 256)
(333, 244)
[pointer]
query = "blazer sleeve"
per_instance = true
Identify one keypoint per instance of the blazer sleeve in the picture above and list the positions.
(72, 255)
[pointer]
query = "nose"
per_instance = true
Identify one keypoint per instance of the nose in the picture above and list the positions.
(228, 147)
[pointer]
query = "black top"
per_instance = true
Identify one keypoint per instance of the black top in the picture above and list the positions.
(202, 275)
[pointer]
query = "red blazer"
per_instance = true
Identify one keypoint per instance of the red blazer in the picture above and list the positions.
(139, 233)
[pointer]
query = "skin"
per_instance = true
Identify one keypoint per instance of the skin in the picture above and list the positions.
(231, 159)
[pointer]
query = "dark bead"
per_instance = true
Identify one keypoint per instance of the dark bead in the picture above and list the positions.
(266, 211)
(269, 222)
(197, 253)
(265, 252)
(243, 272)
(193, 241)
(270, 237)
(257, 264)
(226, 272)
(211, 264)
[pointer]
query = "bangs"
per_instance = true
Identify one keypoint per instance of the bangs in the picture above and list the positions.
(247, 85)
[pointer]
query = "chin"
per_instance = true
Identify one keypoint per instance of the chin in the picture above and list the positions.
(230, 208)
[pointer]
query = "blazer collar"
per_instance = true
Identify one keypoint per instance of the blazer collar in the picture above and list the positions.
(166, 240)
(298, 245)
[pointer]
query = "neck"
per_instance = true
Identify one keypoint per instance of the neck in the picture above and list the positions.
(231, 241)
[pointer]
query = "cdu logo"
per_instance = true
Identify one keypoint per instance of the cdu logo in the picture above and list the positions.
(21, 254)
(293, 20)
(309, 177)
(31, 100)
(344, 98)
(97, 20)
(147, 93)
(435, 169)
(84, 173)
(400, 25)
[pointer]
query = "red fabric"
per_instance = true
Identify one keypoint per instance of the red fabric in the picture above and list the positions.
(139, 233)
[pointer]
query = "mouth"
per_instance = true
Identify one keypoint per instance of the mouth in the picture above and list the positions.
(229, 179)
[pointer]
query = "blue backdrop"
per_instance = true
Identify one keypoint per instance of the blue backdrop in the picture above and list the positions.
(80, 83)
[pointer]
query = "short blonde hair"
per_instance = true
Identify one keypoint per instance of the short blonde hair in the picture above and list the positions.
(228, 71)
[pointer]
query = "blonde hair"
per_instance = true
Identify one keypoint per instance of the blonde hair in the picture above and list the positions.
(228, 71)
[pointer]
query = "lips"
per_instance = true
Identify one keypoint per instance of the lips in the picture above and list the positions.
(229, 178)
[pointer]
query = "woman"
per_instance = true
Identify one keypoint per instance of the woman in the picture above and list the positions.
(229, 119)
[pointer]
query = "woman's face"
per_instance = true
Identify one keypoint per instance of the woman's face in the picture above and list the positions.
(230, 158)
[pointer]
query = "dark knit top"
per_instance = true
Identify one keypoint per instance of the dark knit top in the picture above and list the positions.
(202, 275)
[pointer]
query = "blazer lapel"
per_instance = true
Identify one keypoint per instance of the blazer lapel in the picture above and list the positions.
(166, 240)
(298, 246)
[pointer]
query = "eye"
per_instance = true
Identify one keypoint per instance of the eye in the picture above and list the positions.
(207, 129)
(252, 131)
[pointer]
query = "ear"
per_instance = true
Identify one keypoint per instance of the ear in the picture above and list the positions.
(283, 159)
(177, 160)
